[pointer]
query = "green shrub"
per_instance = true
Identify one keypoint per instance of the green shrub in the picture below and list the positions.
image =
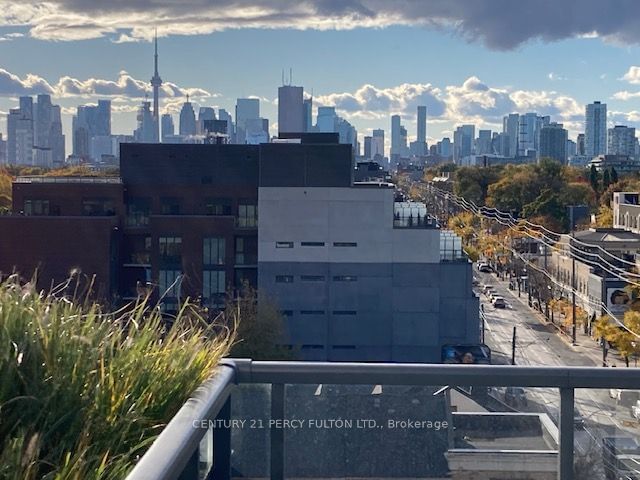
(83, 393)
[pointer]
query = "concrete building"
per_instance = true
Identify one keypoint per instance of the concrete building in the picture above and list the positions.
(529, 127)
(144, 133)
(20, 135)
(553, 142)
(327, 120)
(595, 135)
(90, 121)
(483, 144)
(421, 134)
(377, 145)
(359, 276)
(580, 146)
(291, 109)
(187, 119)
(204, 114)
(367, 147)
(246, 109)
(622, 163)
(622, 141)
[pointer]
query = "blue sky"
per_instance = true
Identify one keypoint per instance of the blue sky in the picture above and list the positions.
(369, 58)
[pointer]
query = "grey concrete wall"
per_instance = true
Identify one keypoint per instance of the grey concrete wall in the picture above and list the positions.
(403, 312)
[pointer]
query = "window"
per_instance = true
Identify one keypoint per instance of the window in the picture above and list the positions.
(213, 251)
(312, 244)
(214, 287)
(36, 207)
(284, 278)
(247, 215)
(138, 212)
(218, 206)
(98, 207)
(169, 206)
(344, 312)
(170, 249)
(284, 244)
(246, 250)
(312, 347)
(312, 278)
(169, 283)
(311, 312)
(345, 278)
(345, 244)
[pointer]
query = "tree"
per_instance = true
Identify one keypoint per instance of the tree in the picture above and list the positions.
(5, 191)
(614, 175)
(472, 183)
(604, 217)
(606, 180)
(259, 325)
(594, 179)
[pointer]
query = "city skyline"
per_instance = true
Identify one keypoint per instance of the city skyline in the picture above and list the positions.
(475, 82)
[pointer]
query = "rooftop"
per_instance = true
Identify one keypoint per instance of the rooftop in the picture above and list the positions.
(603, 235)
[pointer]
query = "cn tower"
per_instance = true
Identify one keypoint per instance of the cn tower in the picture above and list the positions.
(156, 82)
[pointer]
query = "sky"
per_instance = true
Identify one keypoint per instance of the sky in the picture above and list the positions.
(468, 61)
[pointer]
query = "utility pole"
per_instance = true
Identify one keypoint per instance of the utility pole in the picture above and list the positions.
(573, 281)
(513, 347)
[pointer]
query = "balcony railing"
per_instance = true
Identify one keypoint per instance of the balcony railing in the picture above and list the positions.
(177, 452)
(44, 179)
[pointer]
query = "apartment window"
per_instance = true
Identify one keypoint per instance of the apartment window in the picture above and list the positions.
(345, 244)
(247, 215)
(169, 283)
(284, 278)
(284, 244)
(170, 249)
(312, 278)
(246, 250)
(344, 312)
(36, 207)
(312, 244)
(214, 286)
(169, 206)
(311, 312)
(94, 207)
(213, 251)
(138, 210)
(218, 206)
(345, 278)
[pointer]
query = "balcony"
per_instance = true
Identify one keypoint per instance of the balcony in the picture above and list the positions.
(379, 420)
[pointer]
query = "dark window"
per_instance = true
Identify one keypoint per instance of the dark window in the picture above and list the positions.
(312, 347)
(213, 287)
(98, 207)
(218, 206)
(138, 212)
(213, 251)
(344, 312)
(312, 312)
(247, 215)
(169, 283)
(170, 249)
(345, 278)
(169, 206)
(246, 250)
(36, 207)
(284, 278)
(312, 278)
(312, 244)
(284, 244)
(345, 244)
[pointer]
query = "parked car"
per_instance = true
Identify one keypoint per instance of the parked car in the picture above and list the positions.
(515, 396)
(578, 420)
(475, 282)
(624, 397)
(490, 294)
(498, 302)
(635, 410)
(487, 287)
(485, 268)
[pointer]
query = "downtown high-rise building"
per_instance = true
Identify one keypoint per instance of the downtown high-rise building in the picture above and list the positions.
(595, 134)
(553, 142)
(187, 119)
(377, 145)
(20, 133)
(580, 145)
(291, 110)
(204, 114)
(307, 106)
(463, 142)
(622, 141)
(145, 132)
(156, 83)
(167, 127)
(246, 109)
(49, 148)
(225, 116)
(422, 124)
(510, 125)
(484, 143)
(90, 121)
(327, 119)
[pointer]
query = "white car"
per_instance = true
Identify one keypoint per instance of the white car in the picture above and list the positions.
(498, 302)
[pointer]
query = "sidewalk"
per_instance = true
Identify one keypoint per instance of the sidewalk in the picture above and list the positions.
(585, 345)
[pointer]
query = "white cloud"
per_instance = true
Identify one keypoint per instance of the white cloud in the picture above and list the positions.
(632, 76)
(625, 95)
(12, 85)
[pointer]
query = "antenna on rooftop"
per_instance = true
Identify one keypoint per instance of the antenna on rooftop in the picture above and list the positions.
(290, 76)
(283, 77)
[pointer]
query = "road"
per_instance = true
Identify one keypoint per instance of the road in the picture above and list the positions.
(539, 344)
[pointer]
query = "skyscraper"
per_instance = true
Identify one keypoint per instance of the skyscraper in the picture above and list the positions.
(377, 145)
(553, 142)
(225, 116)
(580, 145)
(246, 109)
(291, 114)
(422, 124)
(367, 147)
(327, 120)
(463, 142)
(307, 105)
(3, 150)
(484, 142)
(510, 129)
(90, 121)
(20, 133)
(204, 114)
(187, 119)
(622, 141)
(168, 129)
(156, 82)
(595, 135)
(146, 124)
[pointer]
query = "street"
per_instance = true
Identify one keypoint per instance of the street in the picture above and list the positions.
(539, 344)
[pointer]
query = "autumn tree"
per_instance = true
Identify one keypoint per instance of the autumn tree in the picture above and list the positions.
(473, 183)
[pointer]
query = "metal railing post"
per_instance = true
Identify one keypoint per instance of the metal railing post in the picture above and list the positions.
(565, 458)
(277, 433)
(222, 444)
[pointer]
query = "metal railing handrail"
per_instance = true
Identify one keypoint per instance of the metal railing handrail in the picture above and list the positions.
(68, 179)
(175, 447)
(172, 450)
